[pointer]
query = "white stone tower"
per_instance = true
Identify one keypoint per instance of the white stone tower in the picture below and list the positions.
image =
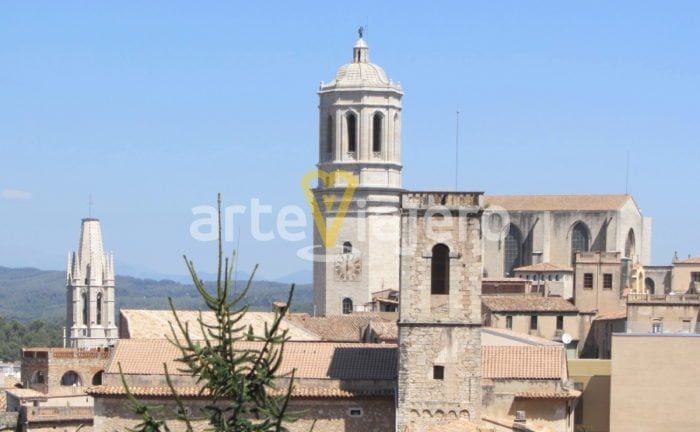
(359, 133)
(440, 310)
(90, 320)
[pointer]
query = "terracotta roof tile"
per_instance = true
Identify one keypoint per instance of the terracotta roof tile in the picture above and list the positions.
(557, 202)
(164, 391)
(517, 336)
(526, 303)
(321, 360)
(690, 260)
(617, 315)
(155, 324)
(570, 394)
(522, 362)
(544, 267)
(340, 328)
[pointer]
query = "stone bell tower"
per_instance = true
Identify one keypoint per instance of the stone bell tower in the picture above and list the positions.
(90, 321)
(356, 243)
(440, 310)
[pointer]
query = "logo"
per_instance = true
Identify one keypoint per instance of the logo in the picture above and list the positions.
(339, 181)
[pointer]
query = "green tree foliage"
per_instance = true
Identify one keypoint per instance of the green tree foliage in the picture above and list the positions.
(236, 376)
(14, 335)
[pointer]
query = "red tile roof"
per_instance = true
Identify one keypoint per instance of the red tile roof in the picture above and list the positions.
(569, 394)
(522, 362)
(544, 267)
(340, 328)
(164, 391)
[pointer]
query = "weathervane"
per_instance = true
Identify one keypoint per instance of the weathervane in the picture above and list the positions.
(361, 31)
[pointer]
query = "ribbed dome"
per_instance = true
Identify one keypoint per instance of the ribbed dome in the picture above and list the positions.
(360, 73)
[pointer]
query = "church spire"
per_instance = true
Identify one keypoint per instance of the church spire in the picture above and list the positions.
(360, 52)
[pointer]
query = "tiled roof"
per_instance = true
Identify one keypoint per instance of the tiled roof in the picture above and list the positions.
(346, 361)
(522, 362)
(385, 330)
(320, 360)
(690, 260)
(570, 394)
(155, 324)
(617, 315)
(526, 303)
(557, 202)
(22, 393)
(307, 392)
(340, 328)
(516, 336)
(544, 267)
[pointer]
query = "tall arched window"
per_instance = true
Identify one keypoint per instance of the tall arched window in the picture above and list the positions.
(352, 132)
(85, 309)
(347, 247)
(649, 285)
(347, 306)
(329, 134)
(98, 309)
(630, 245)
(377, 132)
(579, 240)
(440, 270)
(512, 248)
(97, 378)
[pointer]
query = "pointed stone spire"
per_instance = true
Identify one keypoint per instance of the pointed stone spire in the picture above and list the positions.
(90, 252)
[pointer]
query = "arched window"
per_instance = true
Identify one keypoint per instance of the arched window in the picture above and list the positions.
(649, 285)
(579, 240)
(329, 134)
(71, 378)
(347, 306)
(347, 247)
(630, 245)
(38, 377)
(352, 132)
(512, 248)
(98, 309)
(97, 378)
(85, 309)
(377, 132)
(440, 270)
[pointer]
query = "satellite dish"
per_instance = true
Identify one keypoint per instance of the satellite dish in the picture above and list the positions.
(566, 338)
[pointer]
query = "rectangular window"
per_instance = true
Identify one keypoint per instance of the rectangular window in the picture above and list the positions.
(439, 372)
(355, 412)
(509, 322)
(607, 280)
(695, 276)
(686, 326)
(588, 280)
(657, 327)
(533, 322)
(560, 322)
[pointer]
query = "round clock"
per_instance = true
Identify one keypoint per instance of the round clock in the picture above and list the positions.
(348, 267)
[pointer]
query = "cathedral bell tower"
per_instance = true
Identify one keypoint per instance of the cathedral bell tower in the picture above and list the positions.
(356, 246)
(90, 320)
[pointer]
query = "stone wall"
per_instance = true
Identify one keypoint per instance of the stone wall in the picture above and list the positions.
(331, 415)
(53, 363)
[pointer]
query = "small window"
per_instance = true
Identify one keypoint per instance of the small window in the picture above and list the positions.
(355, 412)
(686, 326)
(533, 322)
(347, 247)
(549, 277)
(439, 372)
(588, 280)
(347, 306)
(607, 280)
(560, 322)
(695, 276)
(657, 327)
(329, 134)
(558, 277)
(509, 322)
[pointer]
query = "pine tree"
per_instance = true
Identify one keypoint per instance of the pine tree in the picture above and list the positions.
(239, 383)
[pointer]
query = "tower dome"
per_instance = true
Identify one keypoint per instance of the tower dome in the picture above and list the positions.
(360, 73)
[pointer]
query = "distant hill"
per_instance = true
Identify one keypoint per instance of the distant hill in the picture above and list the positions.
(28, 294)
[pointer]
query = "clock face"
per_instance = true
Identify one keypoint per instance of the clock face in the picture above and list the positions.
(348, 267)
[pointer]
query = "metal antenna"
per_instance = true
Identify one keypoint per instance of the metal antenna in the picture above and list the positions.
(627, 174)
(457, 151)
(90, 203)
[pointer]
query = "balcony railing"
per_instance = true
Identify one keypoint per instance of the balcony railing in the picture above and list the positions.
(664, 327)
(663, 298)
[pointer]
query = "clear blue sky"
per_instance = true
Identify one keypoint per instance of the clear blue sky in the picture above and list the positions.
(153, 107)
